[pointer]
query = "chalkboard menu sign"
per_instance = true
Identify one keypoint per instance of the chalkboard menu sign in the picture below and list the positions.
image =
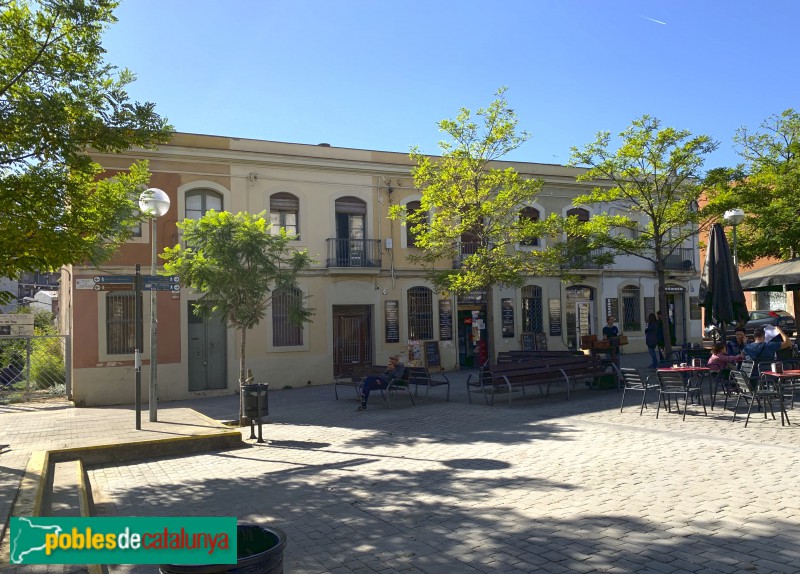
(694, 309)
(507, 316)
(392, 321)
(432, 357)
(612, 307)
(554, 306)
(528, 342)
(541, 341)
(445, 320)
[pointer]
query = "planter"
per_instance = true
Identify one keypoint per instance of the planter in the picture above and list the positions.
(259, 550)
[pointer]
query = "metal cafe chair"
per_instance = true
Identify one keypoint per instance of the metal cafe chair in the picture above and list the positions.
(632, 381)
(752, 393)
(673, 384)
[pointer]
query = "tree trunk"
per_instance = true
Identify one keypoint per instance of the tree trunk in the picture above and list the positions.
(662, 306)
(242, 378)
(490, 347)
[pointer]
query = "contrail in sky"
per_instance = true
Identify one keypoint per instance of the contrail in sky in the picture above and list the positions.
(654, 20)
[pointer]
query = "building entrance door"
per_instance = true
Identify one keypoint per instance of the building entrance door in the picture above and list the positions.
(208, 362)
(579, 314)
(352, 336)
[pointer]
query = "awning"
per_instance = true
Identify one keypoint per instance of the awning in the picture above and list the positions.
(783, 276)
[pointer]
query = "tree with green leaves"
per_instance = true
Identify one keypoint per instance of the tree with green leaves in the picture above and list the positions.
(59, 100)
(468, 202)
(239, 266)
(652, 183)
(766, 186)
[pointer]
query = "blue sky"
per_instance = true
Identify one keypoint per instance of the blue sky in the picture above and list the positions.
(379, 74)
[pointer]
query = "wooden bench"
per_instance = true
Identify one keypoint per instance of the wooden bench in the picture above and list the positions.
(359, 372)
(541, 373)
(421, 376)
(353, 375)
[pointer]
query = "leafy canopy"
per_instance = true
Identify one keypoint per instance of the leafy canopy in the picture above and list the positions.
(58, 100)
(237, 263)
(467, 200)
(648, 188)
(766, 186)
(651, 184)
(239, 266)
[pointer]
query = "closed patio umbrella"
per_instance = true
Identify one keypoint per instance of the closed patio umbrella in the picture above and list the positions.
(721, 292)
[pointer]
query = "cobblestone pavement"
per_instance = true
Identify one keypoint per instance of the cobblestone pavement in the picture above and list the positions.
(29, 427)
(546, 485)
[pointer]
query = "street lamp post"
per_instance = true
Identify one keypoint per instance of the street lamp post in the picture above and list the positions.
(156, 203)
(734, 217)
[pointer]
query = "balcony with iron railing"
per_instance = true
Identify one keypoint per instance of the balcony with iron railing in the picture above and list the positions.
(465, 249)
(354, 253)
(682, 259)
(585, 261)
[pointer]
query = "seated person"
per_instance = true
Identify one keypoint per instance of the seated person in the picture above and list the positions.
(394, 370)
(759, 350)
(720, 362)
(736, 345)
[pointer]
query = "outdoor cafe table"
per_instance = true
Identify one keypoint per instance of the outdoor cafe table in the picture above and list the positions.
(780, 378)
(689, 372)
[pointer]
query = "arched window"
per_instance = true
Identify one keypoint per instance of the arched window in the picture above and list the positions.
(411, 237)
(120, 322)
(199, 201)
(532, 309)
(631, 309)
(286, 333)
(284, 209)
(420, 313)
(530, 214)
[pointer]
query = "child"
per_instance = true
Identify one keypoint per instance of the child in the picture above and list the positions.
(720, 361)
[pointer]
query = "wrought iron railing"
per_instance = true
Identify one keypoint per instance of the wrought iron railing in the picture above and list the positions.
(585, 261)
(682, 259)
(465, 249)
(354, 253)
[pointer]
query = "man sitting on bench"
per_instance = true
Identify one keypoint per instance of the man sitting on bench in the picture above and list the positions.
(394, 370)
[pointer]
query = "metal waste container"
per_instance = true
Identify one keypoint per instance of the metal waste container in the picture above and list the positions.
(256, 401)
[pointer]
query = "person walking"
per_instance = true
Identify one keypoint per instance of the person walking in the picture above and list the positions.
(651, 339)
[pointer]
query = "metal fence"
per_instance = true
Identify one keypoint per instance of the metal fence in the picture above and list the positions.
(33, 367)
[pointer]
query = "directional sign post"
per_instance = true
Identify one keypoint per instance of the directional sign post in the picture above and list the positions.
(161, 283)
(105, 279)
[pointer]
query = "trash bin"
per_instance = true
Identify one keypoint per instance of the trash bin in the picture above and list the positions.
(256, 401)
(259, 550)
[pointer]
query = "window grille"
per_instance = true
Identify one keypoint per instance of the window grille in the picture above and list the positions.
(198, 202)
(420, 313)
(531, 214)
(631, 309)
(120, 322)
(532, 309)
(286, 333)
(283, 212)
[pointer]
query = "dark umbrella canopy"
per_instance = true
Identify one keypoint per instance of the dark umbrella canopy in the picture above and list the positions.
(721, 292)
